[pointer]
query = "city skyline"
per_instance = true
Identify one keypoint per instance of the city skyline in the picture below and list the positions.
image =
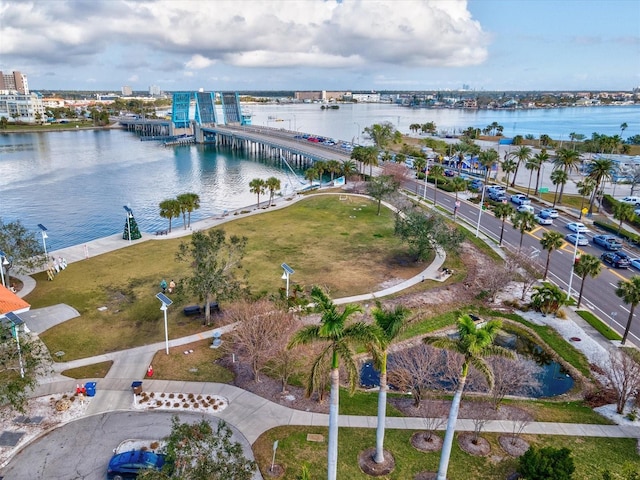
(349, 45)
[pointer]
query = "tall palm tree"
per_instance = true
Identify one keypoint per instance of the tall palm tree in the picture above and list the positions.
(585, 188)
(629, 292)
(531, 165)
(390, 323)
(601, 169)
(339, 339)
(474, 344)
(522, 154)
(436, 171)
(623, 212)
(311, 174)
(542, 156)
(503, 211)
(258, 186)
(333, 167)
(188, 203)
(558, 177)
(550, 241)
(272, 184)
(508, 167)
(567, 160)
(524, 222)
(586, 265)
(623, 127)
(349, 168)
(170, 209)
(458, 184)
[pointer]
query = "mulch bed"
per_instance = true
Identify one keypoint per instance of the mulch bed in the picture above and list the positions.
(480, 448)
(426, 443)
(514, 446)
(370, 467)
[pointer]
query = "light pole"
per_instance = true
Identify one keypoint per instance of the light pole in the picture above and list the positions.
(426, 179)
(129, 215)
(573, 264)
(285, 276)
(3, 261)
(16, 321)
(43, 230)
(166, 301)
(356, 123)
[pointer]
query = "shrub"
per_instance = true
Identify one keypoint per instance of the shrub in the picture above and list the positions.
(546, 463)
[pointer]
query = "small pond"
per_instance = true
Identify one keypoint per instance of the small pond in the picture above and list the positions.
(554, 379)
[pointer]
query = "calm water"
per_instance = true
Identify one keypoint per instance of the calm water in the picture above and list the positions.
(76, 183)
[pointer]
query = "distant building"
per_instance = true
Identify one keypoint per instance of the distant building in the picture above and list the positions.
(307, 96)
(155, 91)
(14, 81)
(370, 97)
(17, 107)
(127, 91)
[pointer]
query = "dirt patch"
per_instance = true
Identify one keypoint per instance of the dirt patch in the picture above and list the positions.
(478, 447)
(370, 467)
(426, 442)
(514, 446)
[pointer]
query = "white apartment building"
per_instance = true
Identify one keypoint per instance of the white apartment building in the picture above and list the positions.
(16, 107)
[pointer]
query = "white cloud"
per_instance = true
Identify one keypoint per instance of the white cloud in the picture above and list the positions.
(198, 62)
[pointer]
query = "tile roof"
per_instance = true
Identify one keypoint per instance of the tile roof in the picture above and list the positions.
(10, 302)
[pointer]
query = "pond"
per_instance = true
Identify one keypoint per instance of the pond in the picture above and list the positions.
(553, 379)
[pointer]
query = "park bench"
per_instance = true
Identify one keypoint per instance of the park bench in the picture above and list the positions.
(162, 232)
(191, 310)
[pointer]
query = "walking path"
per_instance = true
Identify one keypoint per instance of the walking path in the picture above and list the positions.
(251, 414)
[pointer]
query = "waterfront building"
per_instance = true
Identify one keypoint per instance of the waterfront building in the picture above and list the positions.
(23, 108)
(14, 81)
(127, 91)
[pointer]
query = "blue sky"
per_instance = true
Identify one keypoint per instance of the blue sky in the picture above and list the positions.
(349, 45)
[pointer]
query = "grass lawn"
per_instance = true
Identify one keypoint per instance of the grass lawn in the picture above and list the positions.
(339, 244)
(294, 450)
(96, 370)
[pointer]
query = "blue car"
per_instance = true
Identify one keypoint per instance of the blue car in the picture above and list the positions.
(127, 465)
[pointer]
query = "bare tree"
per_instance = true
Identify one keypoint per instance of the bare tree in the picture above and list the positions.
(520, 421)
(415, 370)
(492, 278)
(261, 334)
(435, 417)
(512, 377)
(526, 270)
(623, 376)
(398, 171)
(479, 416)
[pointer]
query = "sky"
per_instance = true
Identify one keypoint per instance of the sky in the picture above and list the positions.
(337, 45)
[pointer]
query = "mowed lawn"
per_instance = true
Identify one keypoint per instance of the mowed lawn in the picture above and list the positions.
(341, 245)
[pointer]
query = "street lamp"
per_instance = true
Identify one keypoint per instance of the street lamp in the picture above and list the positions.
(356, 123)
(129, 215)
(16, 321)
(3, 261)
(43, 230)
(285, 276)
(573, 264)
(166, 301)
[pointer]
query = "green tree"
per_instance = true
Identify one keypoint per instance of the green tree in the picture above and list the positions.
(170, 209)
(333, 167)
(542, 157)
(585, 189)
(310, 174)
(348, 168)
(623, 212)
(381, 187)
(457, 184)
(600, 170)
(424, 233)
(523, 222)
(508, 167)
(188, 203)
(199, 451)
(272, 184)
(566, 160)
(21, 249)
(214, 261)
(550, 241)
(503, 211)
(382, 134)
(548, 298)
(436, 171)
(366, 156)
(131, 228)
(586, 265)
(546, 463)
(558, 177)
(532, 164)
(474, 344)
(390, 322)
(259, 187)
(339, 339)
(522, 154)
(629, 292)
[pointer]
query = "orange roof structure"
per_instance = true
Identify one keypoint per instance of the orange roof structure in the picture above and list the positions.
(10, 302)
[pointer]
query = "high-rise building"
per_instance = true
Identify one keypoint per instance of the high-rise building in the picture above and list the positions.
(154, 91)
(127, 91)
(14, 81)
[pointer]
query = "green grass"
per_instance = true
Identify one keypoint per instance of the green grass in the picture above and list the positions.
(96, 370)
(364, 404)
(591, 455)
(606, 331)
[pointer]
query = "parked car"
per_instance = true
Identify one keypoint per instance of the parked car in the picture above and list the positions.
(616, 259)
(607, 241)
(450, 173)
(526, 208)
(543, 220)
(635, 263)
(520, 199)
(496, 188)
(500, 197)
(549, 213)
(476, 184)
(129, 464)
(577, 227)
(634, 200)
(581, 239)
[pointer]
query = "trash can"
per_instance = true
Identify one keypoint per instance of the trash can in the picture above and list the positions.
(91, 389)
(137, 387)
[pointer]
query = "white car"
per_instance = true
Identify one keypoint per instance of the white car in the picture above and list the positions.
(577, 227)
(633, 200)
(543, 220)
(520, 199)
(582, 240)
(526, 208)
(549, 213)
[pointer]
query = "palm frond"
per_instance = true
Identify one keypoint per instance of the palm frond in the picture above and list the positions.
(484, 368)
(317, 369)
(306, 335)
(345, 353)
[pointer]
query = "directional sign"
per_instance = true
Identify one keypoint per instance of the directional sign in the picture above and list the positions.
(164, 299)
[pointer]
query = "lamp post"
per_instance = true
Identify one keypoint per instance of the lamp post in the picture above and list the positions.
(285, 276)
(129, 215)
(43, 230)
(356, 123)
(3, 261)
(16, 321)
(573, 264)
(426, 180)
(166, 301)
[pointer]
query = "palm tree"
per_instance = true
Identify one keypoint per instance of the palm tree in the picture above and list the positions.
(585, 188)
(623, 212)
(436, 171)
(542, 157)
(586, 265)
(503, 211)
(474, 344)
(508, 167)
(272, 184)
(414, 127)
(601, 169)
(623, 127)
(522, 154)
(170, 209)
(558, 177)
(188, 203)
(548, 298)
(333, 167)
(457, 184)
(550, 241)
(524, 222)
(381, 134)
(349, 167)
(567, 160)
(390, 323)
(629, 292)
(339, 339)
(311, 174)
(258, 186)
(531, 165)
